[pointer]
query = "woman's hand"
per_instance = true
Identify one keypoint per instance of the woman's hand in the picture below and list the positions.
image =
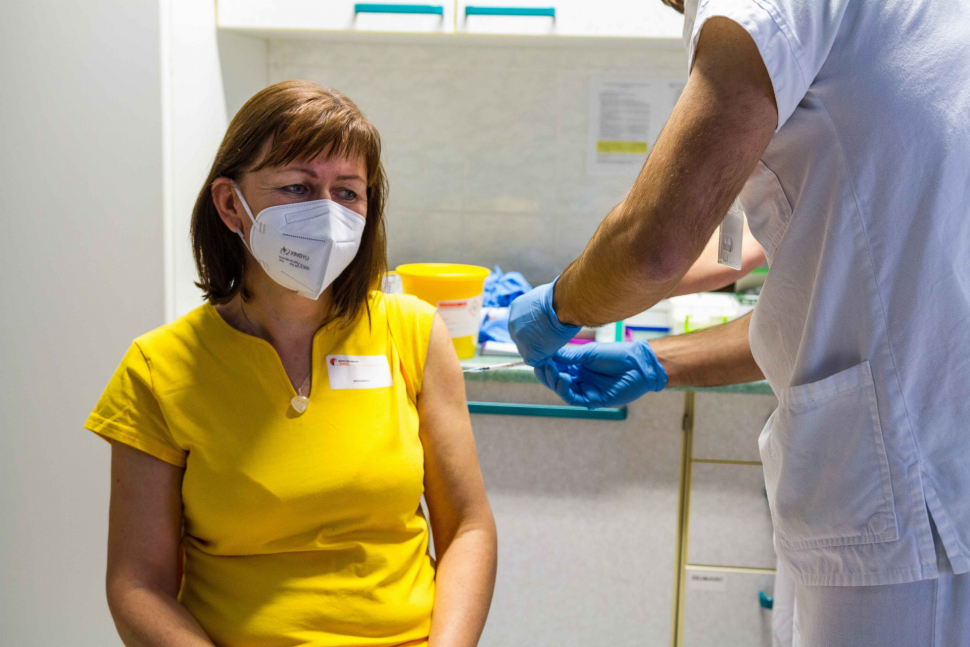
(144, 529)
(461, 519)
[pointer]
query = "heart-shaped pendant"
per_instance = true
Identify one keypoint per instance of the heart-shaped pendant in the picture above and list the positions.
(300, 403)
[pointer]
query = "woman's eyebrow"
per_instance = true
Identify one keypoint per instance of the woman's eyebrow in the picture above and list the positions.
(313, 174)
(351, 177)
(301, 169)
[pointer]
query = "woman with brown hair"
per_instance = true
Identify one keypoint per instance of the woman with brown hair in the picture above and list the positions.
(281, 435)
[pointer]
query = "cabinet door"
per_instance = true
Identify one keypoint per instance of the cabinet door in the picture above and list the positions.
(337, 15)
(727, 425)
(730, 523)
(630, 18)
(724, 609)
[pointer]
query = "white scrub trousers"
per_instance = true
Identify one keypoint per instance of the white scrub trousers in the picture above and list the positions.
(783, 611)
(929, 613)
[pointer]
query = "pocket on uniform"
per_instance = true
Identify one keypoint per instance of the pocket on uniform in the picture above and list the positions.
(826, 469)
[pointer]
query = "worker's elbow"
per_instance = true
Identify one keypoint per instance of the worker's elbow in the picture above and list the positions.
(662, 262)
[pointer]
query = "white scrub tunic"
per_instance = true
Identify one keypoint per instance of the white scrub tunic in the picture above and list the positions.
(862, 204)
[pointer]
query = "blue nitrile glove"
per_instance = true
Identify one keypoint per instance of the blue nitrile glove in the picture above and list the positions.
(502, 288)
(535, 328)
(495, 326)
(603, 375)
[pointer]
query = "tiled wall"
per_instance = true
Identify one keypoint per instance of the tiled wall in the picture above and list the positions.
(485, 138)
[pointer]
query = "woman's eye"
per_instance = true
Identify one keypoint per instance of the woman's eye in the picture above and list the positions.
(296, 189)
(347, 194)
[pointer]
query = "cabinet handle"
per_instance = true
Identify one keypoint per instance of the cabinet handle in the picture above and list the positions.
(548, 12)
(434, 9)
(545, 411)
(765, 601)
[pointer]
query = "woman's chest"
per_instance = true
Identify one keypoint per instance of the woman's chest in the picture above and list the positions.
(262, 477)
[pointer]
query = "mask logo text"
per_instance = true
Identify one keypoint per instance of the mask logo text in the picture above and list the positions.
(290, 253)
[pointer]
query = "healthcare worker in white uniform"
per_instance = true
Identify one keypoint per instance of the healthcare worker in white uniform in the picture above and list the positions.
(844, 125)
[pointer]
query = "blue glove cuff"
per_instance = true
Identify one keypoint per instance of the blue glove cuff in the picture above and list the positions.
(552, 318)
(535, 328)
(651, 369)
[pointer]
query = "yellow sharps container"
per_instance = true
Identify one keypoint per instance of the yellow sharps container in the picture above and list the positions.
(456, 290)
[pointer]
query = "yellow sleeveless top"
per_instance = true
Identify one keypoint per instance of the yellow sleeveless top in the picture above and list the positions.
(299, 529)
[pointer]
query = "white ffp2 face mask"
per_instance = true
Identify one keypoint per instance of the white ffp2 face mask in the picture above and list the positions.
(306, 245)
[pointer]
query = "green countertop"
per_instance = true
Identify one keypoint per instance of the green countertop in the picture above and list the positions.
(524, 375)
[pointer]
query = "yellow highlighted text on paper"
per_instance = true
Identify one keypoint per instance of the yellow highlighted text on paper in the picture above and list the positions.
(630, 148)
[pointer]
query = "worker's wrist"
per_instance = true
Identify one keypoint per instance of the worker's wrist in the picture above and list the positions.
(560, 308)
(651, 370)
(666, 351)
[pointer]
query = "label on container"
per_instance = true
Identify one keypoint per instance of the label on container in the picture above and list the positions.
(706, 581)
(461, 316)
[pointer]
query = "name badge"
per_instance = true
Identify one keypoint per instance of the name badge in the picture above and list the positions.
(731, 231)
(358, 371)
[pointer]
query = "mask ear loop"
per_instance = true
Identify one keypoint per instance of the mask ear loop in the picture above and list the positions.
(248, 213)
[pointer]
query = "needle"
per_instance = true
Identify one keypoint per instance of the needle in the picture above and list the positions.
(489, 367)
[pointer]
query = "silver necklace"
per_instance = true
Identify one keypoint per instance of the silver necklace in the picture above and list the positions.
(299, 402)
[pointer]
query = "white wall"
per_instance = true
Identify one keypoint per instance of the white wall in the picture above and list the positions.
(206, 77)
(194, 121)
(81, 274)
(244, 63)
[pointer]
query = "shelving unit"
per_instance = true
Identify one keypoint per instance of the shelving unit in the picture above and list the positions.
(574, 18)
(725, 572)
(719, 549)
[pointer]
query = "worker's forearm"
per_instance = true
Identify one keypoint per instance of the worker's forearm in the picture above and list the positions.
(712, 357)
(609, 280)
(149, 618)
(464, 583)
(647, 243)
(715, 136)
(644, 247)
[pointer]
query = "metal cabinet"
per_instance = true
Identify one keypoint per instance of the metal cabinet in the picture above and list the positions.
(650, 529)
(726, 556)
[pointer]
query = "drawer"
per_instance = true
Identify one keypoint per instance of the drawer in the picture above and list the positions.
(337, 15)
(723, 609)
(730, 523)
(727, 426)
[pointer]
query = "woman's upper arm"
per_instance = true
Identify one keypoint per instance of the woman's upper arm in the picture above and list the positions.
(144, 522)
(706, 274)
(454, 488)
(752, 253)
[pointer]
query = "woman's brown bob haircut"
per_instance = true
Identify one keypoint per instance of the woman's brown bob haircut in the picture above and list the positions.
(301, 119)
